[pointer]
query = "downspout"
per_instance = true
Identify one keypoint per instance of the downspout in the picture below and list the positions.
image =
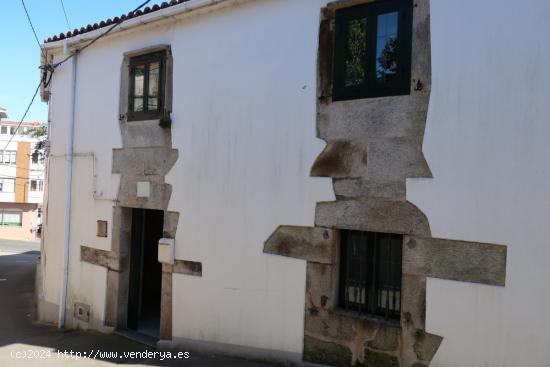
(66, 242)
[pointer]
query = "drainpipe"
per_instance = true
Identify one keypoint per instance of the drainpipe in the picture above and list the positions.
(66, 242)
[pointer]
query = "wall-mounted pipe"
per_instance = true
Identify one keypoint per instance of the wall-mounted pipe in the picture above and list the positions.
(68, 207)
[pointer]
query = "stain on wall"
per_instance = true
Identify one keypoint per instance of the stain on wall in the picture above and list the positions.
(373, 146)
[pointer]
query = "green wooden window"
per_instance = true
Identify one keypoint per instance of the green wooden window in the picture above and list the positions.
(146, 89)
(372, 50)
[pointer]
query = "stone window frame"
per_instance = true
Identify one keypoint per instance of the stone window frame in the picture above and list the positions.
(163, 119)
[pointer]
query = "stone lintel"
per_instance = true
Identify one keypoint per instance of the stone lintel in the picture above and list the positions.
(374, 118)
(374, 214)
(313, 244)
(354, 188)
(146, 161)
(455, 260)
(187, 267)
(107, 259)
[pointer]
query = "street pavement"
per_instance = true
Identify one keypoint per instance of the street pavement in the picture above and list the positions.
(25, 343)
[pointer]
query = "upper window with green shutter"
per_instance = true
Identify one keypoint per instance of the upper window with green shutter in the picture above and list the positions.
(372, 53)
(146, 89)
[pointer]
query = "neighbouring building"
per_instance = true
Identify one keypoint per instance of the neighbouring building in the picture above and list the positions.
(21, 181)
(351, 183)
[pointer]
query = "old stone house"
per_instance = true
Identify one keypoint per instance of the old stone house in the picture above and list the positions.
(358, 182)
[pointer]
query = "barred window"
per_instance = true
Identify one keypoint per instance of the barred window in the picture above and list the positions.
(370, 273)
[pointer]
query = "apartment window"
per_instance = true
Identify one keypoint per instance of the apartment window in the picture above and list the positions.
(10, 217)
(4, 130)
(8, 156)
(146, 89)
(7, 185)
(13, 129)
(37, 185)
(370, 273)
(372, 50)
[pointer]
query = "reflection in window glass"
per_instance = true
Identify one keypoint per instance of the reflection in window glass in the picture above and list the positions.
(154, 79)
(138, 104)
(386, 47)
(139, 80)
(154, 72)
(356, 50)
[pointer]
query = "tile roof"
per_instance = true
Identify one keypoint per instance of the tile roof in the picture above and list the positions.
(109, 22)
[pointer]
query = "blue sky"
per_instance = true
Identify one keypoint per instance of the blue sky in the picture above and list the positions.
(20, 55)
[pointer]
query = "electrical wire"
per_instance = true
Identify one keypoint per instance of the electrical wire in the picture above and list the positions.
(32, 27)
(120, 21)
(65, 13)
(24, 115)
(51, 68)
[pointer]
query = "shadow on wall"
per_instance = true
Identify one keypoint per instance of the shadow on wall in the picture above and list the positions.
(22, 338)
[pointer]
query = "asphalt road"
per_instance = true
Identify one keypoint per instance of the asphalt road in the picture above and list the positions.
(25, 343)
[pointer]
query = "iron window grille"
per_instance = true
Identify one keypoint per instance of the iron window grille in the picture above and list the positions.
(370, 273)
(372, 50)
(146, 87)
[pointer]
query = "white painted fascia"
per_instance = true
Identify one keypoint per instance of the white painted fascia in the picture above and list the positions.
(175, 12)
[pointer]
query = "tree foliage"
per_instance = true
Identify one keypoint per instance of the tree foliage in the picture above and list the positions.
(41, 147)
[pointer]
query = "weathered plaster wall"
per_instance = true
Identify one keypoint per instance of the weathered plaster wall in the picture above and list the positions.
(487, 145)
(253, 119)
(244, 128)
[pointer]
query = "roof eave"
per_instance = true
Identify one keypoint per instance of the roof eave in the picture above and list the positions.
(191, 7)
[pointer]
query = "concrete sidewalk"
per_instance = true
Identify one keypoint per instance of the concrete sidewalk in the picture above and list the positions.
(9, 247)
(24, 343)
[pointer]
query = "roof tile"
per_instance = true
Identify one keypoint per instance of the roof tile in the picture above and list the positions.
(115, 20)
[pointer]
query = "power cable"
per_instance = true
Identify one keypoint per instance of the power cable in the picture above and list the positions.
(25, 114)
(51, 68)
(120, 21)
(32, 27)
(65, 13)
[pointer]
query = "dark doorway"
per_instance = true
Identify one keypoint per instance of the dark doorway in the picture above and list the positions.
(145, 272)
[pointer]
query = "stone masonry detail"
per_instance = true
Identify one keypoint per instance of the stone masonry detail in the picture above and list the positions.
(146, 157)
(373, 146)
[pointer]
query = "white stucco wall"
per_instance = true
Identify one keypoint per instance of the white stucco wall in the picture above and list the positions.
(487, 145)
(244, 125)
